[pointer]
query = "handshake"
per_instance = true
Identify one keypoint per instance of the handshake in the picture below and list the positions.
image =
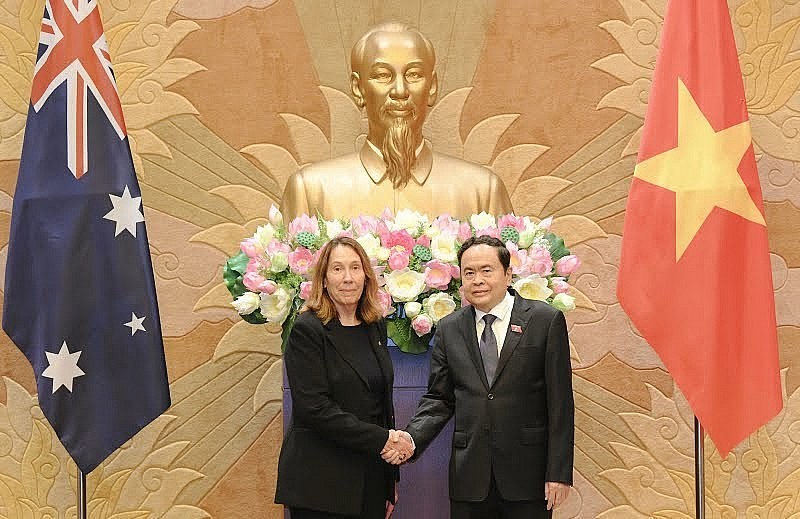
(399, 447)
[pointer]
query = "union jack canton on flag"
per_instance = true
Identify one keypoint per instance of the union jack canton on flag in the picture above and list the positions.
(80, 299)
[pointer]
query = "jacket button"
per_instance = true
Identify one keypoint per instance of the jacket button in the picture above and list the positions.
(490, 396)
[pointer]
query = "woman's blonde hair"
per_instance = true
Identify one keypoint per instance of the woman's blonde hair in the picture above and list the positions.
(369, 308)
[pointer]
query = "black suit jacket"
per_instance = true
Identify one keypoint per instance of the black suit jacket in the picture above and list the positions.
(522, 426)
(330, 440)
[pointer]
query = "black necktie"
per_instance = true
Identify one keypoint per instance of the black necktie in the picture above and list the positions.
(488, 347)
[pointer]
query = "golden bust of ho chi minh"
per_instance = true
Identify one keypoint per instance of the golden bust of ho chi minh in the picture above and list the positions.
(393, 78)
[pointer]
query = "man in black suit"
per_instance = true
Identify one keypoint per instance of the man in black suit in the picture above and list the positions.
(502, 367)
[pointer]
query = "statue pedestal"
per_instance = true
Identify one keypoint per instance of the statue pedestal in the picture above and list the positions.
(423, 484)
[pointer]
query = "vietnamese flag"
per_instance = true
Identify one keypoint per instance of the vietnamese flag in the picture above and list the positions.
(695, 275)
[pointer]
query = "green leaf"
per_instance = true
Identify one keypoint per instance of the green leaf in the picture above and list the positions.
(255, 318)
(232, 273)
(557, 247)
(399, 330)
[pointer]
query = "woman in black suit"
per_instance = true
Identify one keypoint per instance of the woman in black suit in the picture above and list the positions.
(341, 377)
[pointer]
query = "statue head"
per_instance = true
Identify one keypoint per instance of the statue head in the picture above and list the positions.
(393, 78)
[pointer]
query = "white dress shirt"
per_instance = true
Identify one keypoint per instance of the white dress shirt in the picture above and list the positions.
(500, 325)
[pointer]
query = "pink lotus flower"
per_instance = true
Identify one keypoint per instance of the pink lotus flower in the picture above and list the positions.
(567, 265)
(546, 223)
(540, 261)
(258, 283)
(559, 285)
(278, 246)
(304, 223)
(422, 324)
(438, 274)
(519, 260)
(301, 260)
(510, 220)
(398, 259)
(494, 232)
(250, 248)
(364, 224)
(305, 290)
(425, 241)
(446, 225)
(455, 271)
(464, 232)
(464, 300)
(258, 264)
(385, 301)
(387, 215)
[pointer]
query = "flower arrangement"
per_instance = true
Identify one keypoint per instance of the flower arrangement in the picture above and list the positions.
(414, 257)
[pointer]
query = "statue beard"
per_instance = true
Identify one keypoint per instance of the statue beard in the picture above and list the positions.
(399, 146)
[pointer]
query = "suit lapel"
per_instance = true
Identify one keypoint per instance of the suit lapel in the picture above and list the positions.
(519, 318)
(467, 327)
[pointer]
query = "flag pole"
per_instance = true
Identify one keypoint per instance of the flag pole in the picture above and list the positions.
(81, 495)
(699, 479)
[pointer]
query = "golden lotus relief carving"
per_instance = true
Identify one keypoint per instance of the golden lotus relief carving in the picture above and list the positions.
(38, 478)
(140, 41)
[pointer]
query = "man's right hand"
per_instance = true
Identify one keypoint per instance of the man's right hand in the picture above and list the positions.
(399, 447)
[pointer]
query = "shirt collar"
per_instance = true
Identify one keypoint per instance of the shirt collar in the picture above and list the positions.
(372, 160)
(502, 310)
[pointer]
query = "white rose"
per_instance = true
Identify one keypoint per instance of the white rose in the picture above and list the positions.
(482, 220)
(439, 305)
(246, 303)
(333, 228)
(444, 248)
(413, 309)
(533, 287)
(383, 254)
(371, 244)
(405, 284)
(410, 221)
(276, 307)
(564, 302)
(280, 261)
(264, 235)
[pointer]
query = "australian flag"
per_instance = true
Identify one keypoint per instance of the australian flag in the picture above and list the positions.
(80, 299)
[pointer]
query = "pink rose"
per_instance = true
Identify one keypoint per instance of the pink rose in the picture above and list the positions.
(301, 260)
(559, 285)
(250, 248)
(455, 271)
(258, 283)
(395, 239)
(305, 290)
(422, 324)
(464, 232)
(398, 260)
(425, 241)
(385, 301)
(438, 274)
(304, 223)
(567, 265)
(494, 232)
(510, 220)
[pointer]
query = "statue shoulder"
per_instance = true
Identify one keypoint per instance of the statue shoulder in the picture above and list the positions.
(462, 166)
(322, 170)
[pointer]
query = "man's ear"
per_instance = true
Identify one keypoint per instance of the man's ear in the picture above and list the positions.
(433, 91)
(355, 88)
